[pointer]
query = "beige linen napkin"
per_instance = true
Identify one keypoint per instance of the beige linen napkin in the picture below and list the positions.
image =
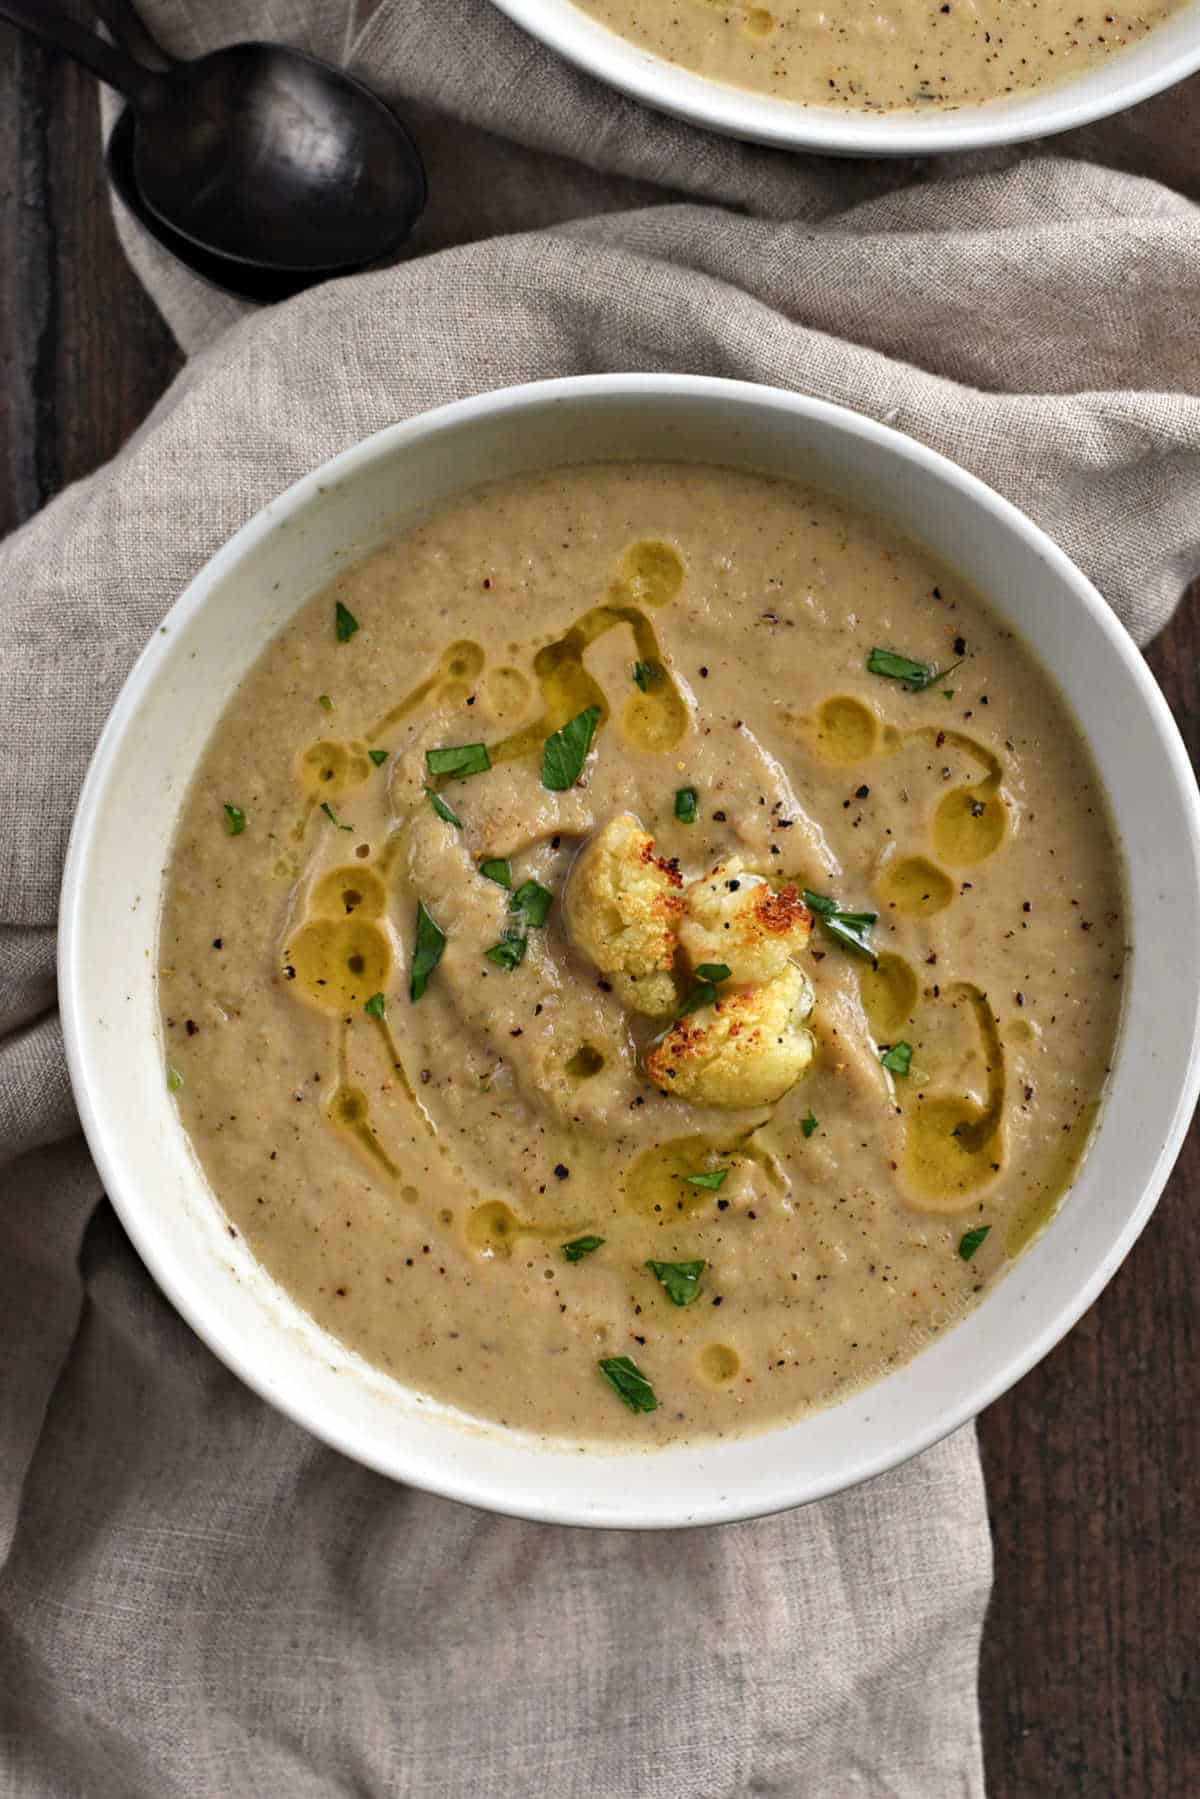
(196, 1600)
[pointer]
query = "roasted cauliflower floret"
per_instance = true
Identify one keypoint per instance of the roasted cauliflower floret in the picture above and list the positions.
(734, 916)
(621, 908)
(745, 1050)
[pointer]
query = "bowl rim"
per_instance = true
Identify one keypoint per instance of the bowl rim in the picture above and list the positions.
(765, 119)
(104, 1136)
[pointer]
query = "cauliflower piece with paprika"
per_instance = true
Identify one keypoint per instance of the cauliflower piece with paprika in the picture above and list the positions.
(621, 908)
(734, 916)
(747, 1049)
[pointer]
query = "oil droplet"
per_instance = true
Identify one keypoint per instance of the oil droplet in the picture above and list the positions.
(409, 1195)
(969, 825)
(586, 1062)
(343, 891)
(492, 1228)
(459, 661)
(651, 573)
(719, 1364)
(655, 720)
(846, 729)
(326, 769)
(348, 1111)
(915, 886)
(508, 692)
(888, 989)
(759, 22)
(463, 660)
(952, 1145)
(657, 1181)
(338, 963)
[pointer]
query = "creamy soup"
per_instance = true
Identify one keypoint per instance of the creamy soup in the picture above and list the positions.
(642, 952)
(914, 54)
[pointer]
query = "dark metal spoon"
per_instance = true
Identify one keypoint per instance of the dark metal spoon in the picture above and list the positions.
(256, 153)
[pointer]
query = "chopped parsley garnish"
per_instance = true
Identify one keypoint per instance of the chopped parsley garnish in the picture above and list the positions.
(704, 993)
(645, 674)
(969, 1242)
(496, 870)
(374, 1007)
(712, 1180)
(327, 809)
(850, 928)
(427, 952)
(687, 805)
(713, 971)
(916, 676)
(174, 1079)
(680, 1280)
(509, 952)
(898, 1059)
(628, 1381)
(580, 1247)
(948, 692)
(378, 757)
(442, 809)
(324, 702)
(344, 623)
(808, 1125)
(565, 753)
(235, 820)
(459, 760)
(532, 901)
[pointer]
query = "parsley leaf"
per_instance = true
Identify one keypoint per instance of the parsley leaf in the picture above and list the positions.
(704, 993)
(898, 1059)
(459, 760)
(681, 1280)
(580, 1247)
(808, 1125)
(645, 674)
(687, 805)
(565, 753)
(916, 676)
(427, 952)
(378, 757)
(235, 820)
(969, 1242)
(324, 702)
(628, 1381)
(509, 953)
(533, 901)
(442, 809)
(713, 971)
(712, 1181)
(344, 623)
(496, 870)
(327, 809)
(853, 929)
(174, 1079)
(374, 1006)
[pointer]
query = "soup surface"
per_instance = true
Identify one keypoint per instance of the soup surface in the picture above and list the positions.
(613, 981)
(903, 54)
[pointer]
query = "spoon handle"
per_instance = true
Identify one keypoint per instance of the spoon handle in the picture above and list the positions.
(53, 26)
(131, 33)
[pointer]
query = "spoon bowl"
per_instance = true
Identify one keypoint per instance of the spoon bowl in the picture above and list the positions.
(256, 155)
(267, 155)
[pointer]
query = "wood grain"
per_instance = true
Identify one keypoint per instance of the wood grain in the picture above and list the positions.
(1092, 1646)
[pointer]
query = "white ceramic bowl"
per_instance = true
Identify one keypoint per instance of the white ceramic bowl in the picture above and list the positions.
(134, 790)
(1161, 59)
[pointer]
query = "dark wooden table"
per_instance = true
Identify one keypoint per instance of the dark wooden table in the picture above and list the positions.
(1090, 1660)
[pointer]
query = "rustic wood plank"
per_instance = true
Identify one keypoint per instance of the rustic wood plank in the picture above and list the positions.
(1091, 1462)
